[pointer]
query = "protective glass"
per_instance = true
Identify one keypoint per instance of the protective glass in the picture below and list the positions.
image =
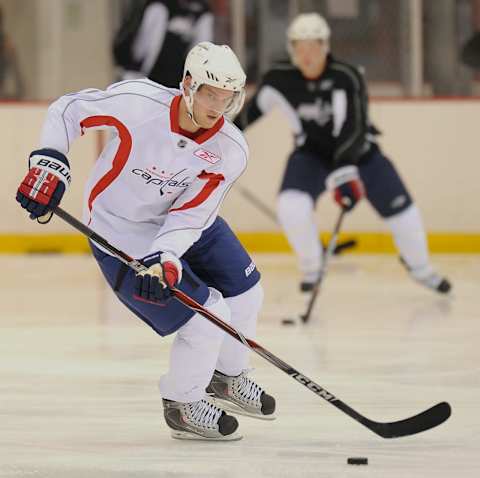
(218, 102)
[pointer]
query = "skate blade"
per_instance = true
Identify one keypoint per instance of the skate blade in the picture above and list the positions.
(183, 435)
(237, 410)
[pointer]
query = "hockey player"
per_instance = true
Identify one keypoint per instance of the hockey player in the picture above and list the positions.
(325, 101)
(156, 36)
(155, 192)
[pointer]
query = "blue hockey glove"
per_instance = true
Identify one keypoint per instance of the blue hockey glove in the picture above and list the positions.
(164, 270)
(346, 185)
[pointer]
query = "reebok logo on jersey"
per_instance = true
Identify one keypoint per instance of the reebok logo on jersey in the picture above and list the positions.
(250, 269)
(326, 85)
(207, 156)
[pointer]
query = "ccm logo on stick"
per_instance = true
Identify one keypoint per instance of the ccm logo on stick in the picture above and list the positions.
(314, 387)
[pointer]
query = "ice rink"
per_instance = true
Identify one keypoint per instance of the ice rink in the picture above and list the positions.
(78, 388)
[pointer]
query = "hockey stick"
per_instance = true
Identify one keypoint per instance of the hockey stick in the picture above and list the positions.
(267, 211)
(430, 418)
(326, 257)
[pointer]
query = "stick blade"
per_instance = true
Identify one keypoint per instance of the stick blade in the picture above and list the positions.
(426, 420)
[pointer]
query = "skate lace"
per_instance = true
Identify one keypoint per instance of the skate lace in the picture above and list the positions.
(248, 388)
(204, 414)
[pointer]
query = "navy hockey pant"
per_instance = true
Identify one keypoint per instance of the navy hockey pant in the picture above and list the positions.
(385, 189)
(216, 260)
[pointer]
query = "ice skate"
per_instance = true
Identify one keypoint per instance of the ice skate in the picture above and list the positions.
(429, 278)
(308, 281)
(200, 420)
(241, 395)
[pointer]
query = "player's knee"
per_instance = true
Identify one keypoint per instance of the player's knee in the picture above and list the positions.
(293, 203)
(217, 305)
(408, 209)
(255, 297)
(245, 308)
(248, 303)
(199, 329)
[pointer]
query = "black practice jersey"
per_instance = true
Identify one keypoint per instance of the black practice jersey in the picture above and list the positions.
(157, 35)
(180, 36)
(328, 115)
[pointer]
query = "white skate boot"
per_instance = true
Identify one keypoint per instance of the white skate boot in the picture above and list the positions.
(309, 280)
(429, 278)
(199, 421)
(241, 395)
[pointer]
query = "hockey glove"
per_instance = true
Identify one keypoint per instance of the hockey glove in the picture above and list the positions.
(346, 185)
(46, 182)
(164, 270)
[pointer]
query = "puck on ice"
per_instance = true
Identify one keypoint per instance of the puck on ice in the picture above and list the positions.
(288, 322)
(357, 460)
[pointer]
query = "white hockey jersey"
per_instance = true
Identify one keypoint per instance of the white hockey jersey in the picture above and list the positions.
(152, 189)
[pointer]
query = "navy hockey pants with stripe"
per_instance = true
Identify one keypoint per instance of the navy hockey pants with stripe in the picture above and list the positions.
(385, 190)
(216, 260)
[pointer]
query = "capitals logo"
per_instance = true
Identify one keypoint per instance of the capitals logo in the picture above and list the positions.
(165, 181)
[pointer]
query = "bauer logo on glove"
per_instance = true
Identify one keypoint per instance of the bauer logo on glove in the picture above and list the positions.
(45, 184)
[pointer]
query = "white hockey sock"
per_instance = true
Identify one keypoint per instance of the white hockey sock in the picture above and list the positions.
(244, 308)
(295, 213)
(410, 239)
(194, 354)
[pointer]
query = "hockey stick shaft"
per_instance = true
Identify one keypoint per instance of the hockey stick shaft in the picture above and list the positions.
(326, 258)
(258, 203)
(424, 421)
(268, 212)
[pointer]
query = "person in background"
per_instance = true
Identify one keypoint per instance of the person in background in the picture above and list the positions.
(11, 83)
(156, 36)
(470, 53)
(325, 101)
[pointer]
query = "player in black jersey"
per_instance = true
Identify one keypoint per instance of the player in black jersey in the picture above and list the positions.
(326, 103)
(156, 35)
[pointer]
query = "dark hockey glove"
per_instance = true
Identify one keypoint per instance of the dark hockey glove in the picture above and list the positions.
(346, 185)
(164, 270)
(45, 184)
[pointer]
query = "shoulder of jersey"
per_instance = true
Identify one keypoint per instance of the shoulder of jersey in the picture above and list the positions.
(346, 70)
(283, 68)
(192, 7)
(145, 87)
(233, 136)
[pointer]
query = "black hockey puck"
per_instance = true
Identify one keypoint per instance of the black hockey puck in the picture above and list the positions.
(357, 460)
(288, 322)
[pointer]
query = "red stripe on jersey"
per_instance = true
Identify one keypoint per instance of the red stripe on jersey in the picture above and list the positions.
(121, 156)
(213, 181)
(201, 135)
(174, 107)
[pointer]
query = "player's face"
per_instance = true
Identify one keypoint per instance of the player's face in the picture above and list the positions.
(209, 104)
(310, 56)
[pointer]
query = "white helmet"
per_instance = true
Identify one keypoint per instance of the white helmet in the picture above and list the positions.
(307, 26)
(218, 66)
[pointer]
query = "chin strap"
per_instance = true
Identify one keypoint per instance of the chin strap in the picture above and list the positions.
(190, 115)
(189, 104)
